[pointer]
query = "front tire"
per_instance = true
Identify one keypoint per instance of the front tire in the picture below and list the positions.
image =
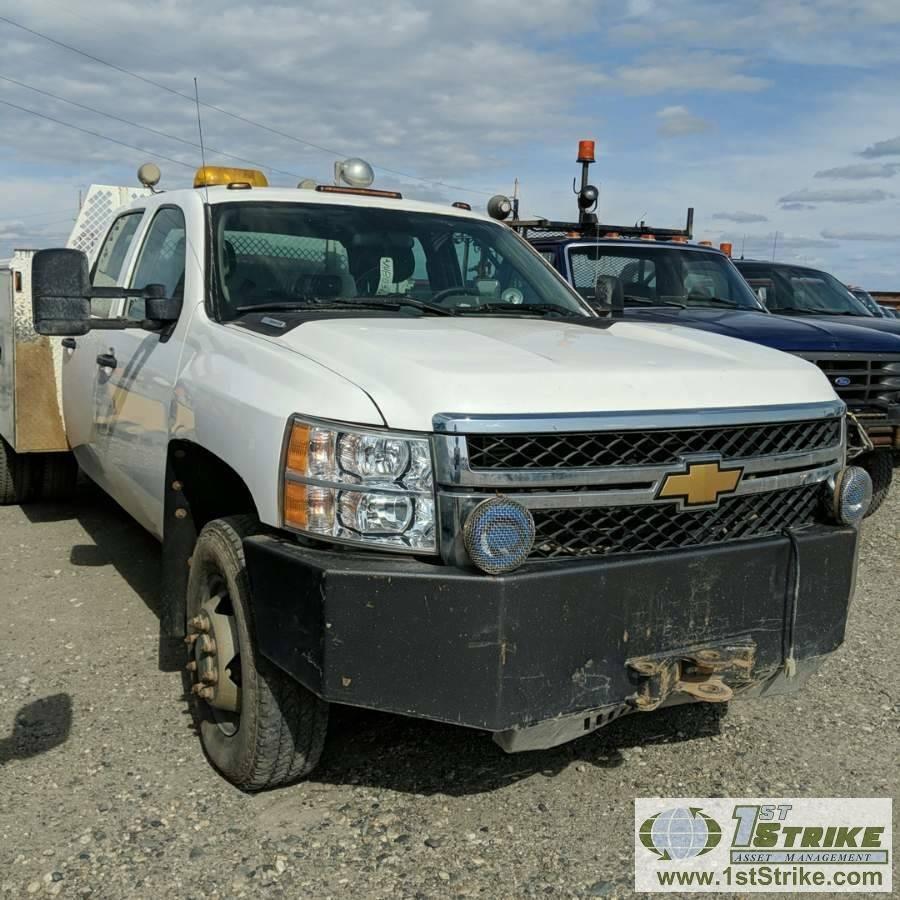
(880, 466)
(259, 727)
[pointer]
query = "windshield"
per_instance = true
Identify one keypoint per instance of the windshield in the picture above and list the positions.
(797, 290)
(867, 301)
(311, 255)
(659, 275)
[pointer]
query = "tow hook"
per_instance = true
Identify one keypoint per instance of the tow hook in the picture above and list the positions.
(700, 673)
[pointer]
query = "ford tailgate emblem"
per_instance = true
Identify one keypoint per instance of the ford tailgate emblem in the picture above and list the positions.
(842, 381)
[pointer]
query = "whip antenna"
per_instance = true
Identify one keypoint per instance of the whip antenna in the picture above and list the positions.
(200, 132)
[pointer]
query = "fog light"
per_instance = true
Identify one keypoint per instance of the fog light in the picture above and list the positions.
(499, 535)
(852, 495)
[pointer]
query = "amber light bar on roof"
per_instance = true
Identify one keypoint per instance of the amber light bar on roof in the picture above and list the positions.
(208, 176)
(364, 192)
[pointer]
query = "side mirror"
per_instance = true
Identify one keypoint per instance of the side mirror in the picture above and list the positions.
(609, 299)
(61, 298)
(61, 292)
(159, 309)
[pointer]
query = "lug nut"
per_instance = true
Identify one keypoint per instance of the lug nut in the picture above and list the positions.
(190, 639)
(211, 677)
(207, 644)
(199, 623)
(192, 666)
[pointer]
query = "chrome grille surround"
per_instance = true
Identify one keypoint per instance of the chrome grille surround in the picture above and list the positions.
(618, 490)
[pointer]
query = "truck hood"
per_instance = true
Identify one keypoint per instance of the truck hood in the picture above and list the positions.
(795, 335)
(887, 329)
(414, 369)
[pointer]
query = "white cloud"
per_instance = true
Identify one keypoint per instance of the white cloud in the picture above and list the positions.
(421, 88)
(805, 32)
(742, 218)
(678, 72)
(889, 147)
(860, 171)
(875, 236)
(678, 121)
(844, 195)
(797, 207)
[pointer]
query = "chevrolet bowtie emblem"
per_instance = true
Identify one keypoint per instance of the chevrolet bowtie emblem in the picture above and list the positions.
(701, 485)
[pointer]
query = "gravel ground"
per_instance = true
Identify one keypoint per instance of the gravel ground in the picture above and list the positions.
(105, 792)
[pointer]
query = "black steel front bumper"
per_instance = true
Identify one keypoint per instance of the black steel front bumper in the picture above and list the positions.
(550, 640)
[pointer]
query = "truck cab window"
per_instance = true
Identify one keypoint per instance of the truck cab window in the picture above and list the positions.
(112, 254)
(162, 259)
(660, 274)
(311, 255)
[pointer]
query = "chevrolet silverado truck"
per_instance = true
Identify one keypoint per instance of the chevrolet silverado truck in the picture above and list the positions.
(507, 521)
(649, 274)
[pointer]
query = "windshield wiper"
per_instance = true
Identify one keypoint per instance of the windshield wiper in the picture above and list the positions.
(803, 311)
(541, 309)
(647, 301)
(395, 302)
(713, 301)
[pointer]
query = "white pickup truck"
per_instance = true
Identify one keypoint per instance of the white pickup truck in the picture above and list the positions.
(530, 519)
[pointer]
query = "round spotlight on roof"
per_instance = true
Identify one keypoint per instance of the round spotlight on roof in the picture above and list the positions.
(354, 172)
(308, 184)
(588, 197)
(852, 495)
(499, 207)
(149, 175)
(499, 535)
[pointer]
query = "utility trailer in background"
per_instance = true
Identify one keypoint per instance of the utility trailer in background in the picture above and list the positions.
(35, 462)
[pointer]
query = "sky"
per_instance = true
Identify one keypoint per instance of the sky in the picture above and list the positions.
(777, 120)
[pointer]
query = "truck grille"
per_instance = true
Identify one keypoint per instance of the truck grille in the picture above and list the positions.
(654, 447)
(603, 531)
(870, 382)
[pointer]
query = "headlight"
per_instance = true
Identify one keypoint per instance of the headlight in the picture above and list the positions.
(368, 487)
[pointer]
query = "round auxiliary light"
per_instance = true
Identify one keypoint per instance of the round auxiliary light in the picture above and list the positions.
(499, 207)
(354, 172)
(149, 175)
(852, 495)
(499, 535)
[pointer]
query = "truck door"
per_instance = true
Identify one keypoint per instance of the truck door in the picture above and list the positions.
(131, 414)
(82, 380)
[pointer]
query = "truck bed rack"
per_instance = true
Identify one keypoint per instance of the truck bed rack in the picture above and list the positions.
(533, 229)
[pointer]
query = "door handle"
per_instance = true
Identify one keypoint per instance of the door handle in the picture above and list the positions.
(69, 343)
(107, 361)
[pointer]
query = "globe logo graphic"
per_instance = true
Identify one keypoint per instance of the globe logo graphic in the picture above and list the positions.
(681, 833)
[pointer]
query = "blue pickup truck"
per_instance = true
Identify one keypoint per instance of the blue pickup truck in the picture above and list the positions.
(788, 289)
(655, 274)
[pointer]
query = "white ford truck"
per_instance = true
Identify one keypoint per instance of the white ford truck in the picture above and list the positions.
(529, 520)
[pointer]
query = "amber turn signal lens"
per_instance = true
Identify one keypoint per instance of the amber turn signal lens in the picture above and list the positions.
(296, 509)
(298, 448)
